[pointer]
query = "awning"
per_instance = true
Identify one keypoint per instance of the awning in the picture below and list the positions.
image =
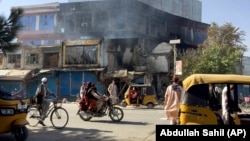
(83, 69)
(23, 74)
(117, 74)
(38, 72)
(44, 71)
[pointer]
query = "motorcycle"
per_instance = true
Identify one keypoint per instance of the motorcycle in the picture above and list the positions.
(115, 113)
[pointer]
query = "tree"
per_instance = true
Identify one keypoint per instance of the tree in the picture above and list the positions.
(220, 53)
(9, 29)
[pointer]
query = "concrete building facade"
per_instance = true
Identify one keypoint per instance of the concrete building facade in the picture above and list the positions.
(98, 41)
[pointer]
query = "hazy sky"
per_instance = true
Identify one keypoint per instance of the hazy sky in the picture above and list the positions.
(235, 12)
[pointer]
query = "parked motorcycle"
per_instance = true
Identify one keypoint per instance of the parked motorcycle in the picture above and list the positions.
(115, 113)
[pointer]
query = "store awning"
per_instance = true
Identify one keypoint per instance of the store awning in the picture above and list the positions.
(21, 74)
(117, 74)
(84, 69)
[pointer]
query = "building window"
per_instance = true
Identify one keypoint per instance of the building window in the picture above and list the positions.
(46, 22)
(13, 58)
(32, 58)
(50, 60)
(28, 22)
(49, 42)
(81, 55)
(85, 23)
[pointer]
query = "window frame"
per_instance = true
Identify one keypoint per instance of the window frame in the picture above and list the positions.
(32, 58)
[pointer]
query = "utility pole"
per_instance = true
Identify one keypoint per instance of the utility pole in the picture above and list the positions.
(174, 42)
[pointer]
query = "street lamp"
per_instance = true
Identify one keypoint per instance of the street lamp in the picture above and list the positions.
(230, 32)
(174, 42)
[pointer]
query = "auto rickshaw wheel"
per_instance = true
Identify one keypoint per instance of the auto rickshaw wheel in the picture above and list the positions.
(150, 105)
(20, 133)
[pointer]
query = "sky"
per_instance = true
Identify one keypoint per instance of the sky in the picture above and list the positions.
(221, 12)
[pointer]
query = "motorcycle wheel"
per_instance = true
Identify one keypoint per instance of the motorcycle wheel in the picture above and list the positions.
(85, 117)
(116, 114)
(20, 133)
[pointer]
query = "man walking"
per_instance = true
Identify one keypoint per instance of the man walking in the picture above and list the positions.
(112, 89)
(227, 101)
(172, 101)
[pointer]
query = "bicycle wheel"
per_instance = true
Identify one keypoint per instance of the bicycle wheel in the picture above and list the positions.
(59, 118)
(33, 117)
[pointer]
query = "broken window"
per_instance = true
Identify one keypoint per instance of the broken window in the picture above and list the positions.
(80, 55)
(85, 22)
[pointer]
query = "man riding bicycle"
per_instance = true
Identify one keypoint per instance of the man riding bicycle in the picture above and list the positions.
(42, 94)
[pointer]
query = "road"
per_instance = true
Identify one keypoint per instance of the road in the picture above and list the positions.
(138, 124)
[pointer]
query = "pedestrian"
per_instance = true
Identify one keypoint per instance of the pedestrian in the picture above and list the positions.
(173, 95)
(112, 89)
(42, 98)
(226, 102)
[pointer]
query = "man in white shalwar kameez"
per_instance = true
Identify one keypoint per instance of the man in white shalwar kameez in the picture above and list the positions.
(225, 101)
(173, 95)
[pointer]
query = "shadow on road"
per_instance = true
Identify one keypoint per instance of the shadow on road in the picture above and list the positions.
(121, 122)
(66, 134)
(142, 108)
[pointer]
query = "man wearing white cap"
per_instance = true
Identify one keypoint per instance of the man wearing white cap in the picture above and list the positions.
(41, 94)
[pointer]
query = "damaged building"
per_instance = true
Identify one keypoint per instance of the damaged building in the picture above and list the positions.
(126, 40)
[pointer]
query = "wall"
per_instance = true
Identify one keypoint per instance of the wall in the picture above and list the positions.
(25, 53)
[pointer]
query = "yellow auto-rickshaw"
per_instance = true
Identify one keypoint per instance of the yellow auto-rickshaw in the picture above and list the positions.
(14, 106)
(140, 94)
(200, 105)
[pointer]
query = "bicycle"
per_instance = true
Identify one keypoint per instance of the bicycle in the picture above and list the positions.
(59, 116)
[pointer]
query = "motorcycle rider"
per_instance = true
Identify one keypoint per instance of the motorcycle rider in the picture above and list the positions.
(84, 101)
(95, 99)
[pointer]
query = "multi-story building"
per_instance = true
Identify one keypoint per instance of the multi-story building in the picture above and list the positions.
(98, 41)
(190, 9)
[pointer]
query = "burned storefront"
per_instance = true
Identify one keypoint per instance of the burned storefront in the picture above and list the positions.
(98, 41)
(130, 31)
